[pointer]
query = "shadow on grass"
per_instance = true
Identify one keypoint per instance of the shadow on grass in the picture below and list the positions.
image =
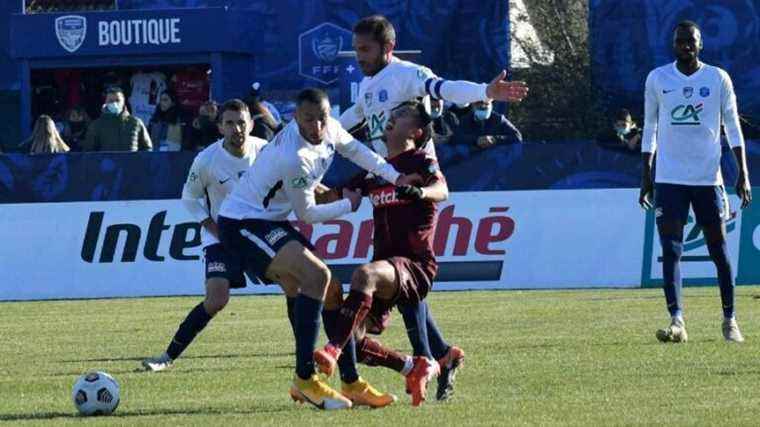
(148, 413)
(207, 356)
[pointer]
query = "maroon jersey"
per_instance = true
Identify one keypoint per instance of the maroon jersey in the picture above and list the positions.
(402, 227)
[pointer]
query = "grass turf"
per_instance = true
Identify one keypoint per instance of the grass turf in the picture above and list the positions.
(533, 357)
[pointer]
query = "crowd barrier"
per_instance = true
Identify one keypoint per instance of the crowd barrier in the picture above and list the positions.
(110, 225)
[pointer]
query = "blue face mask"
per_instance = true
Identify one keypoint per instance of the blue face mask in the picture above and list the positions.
(483, 114)
(623, 131)
(434, 114)
(114, 107)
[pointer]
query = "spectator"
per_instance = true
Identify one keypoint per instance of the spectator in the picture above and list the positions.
(484, 128)
(116, 129)
(166, 125)
(443, 122)
(205, 129)
(622, 134)
(45, 138)
(74, 128)
(256, 92)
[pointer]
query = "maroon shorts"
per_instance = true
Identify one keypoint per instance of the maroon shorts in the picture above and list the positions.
(414, 279)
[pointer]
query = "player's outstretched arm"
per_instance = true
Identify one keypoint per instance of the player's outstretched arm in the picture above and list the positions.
(506, 91)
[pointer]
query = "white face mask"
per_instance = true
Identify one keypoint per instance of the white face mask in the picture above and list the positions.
(114, 107)
(484, 113)
(625, 130)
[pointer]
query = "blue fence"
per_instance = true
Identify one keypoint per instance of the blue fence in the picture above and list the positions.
(628, 39)
(160, 175)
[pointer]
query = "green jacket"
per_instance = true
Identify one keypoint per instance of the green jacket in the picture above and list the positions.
(124, 132)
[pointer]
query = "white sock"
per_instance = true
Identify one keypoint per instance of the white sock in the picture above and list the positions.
(408, 365)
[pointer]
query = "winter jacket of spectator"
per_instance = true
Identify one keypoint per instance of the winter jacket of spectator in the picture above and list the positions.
(469, 130)
(122, 132)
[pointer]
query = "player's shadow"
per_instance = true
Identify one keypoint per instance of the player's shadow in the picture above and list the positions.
(206, 356)
(150, 413)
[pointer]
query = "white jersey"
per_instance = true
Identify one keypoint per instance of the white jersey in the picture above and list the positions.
(212, 176)
(682, 123)
(287, 171)
(146, 93)
(398, 82)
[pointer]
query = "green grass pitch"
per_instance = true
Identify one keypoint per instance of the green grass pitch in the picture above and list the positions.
(585, 357)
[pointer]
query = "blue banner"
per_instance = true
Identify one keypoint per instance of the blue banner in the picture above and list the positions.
(629, 39)
(49, 35)
(160, 175)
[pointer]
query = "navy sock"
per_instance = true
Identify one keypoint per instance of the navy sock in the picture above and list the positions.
(672, 247)
(291, 303)
(347, 359)
(195, 321)
(415, 319)
(719, 255)
(307, 312)
(438, 346)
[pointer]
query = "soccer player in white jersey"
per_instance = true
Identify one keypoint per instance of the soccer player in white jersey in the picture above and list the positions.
(212, 176)
(389, 81)
(686, 102)
(253, 222)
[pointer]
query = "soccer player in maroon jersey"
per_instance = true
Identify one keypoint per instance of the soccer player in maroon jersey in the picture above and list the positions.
(403, 266)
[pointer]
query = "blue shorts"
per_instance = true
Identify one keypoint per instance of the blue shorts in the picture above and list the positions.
(672, 201)
(257, 241)
(220, 263)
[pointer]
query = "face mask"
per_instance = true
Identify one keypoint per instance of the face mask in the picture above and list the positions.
(434, 114)
(623, 130)
(483, 114)
(113, 107)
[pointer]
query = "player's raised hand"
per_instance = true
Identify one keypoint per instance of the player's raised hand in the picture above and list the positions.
(410, 179)
(355, 197)
(501, 90)
(744, 191)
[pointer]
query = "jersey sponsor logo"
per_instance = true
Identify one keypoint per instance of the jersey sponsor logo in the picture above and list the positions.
(139, 32)
(704, 91)
(686, 114)
(318, 50)
(688, 91)
(385, 196)
(216, 267)
(300, 182)
(71, 31)
(382, 96)
(377, 125)
(275, 236)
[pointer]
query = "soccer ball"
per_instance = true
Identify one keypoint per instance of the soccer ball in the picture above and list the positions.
(96, 393)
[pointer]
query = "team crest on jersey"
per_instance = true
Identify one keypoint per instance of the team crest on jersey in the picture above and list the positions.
(383, 95)
(688, 91)
(368, 99)
(704, 91)
(71, 31)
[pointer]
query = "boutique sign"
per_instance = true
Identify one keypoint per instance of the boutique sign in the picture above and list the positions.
(116, 33)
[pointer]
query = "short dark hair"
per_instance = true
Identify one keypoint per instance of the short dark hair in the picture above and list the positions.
(114, 89)
(687, 24)
(377, 26)
(422, 119)
(312, 95)
(234, 104)
(623, 114)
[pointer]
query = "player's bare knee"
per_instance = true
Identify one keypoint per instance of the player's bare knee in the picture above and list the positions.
(217, 296)
(334, 296)
(363, 279)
